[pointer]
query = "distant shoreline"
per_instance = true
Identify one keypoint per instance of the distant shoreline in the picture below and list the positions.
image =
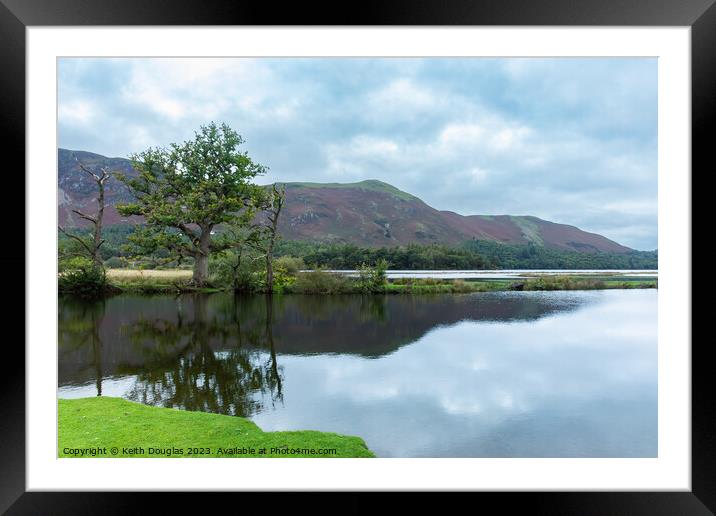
(177, 281)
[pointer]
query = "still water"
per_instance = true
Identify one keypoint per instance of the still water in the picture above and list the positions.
(504, 374)
(514, 273)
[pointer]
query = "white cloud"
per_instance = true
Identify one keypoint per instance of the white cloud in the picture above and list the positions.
(402, 94)
(567, 138)
(461, 135)
(77, 112)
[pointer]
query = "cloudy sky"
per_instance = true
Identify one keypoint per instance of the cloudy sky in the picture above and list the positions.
(568, 140)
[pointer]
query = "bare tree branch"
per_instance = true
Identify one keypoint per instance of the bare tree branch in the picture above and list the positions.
(85, 216)
(93, 251)
(78, 239)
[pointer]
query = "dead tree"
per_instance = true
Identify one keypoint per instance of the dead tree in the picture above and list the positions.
(274, 203)
(92, 248)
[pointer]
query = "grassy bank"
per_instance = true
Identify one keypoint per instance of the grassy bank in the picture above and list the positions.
(153, 281)
(322, 282)
(425, 286)
(136, 430)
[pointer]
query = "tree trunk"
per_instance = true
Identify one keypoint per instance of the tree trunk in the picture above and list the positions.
(201, 270)
(201, 259)
(275, 376)
(269, 271)
(97, 256)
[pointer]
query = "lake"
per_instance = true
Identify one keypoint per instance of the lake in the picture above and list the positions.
(513, 273)
(499, 374)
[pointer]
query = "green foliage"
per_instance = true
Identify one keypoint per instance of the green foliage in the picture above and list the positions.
(242, 272)
(321, 282)
(115, 262)
(530, 256)
(372, 279)
(68, 247)
(413, 256)
(116, 238)
(282, 280)
(246, 272)
(81, 277)
(290, 264)
(186, 190)
(474, 254)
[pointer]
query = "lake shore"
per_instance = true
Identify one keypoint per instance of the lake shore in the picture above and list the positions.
(114, 427)
(325, 282)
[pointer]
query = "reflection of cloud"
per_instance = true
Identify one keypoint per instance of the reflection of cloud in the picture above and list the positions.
(454, 388)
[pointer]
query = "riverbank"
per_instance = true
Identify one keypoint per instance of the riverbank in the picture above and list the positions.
(136, 430)
(322, 282)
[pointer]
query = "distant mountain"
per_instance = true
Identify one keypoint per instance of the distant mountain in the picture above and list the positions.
(76, 190)
(367, 213)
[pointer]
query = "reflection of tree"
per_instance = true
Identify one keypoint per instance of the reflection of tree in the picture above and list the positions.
(273, 374)
(219, 352)
(78, 327)
(372, 309)
(195, 377)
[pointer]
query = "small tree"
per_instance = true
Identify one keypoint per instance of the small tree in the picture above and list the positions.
(236, 265)
(185, 191)
(268, 232)
(90, 247)
(373, 279)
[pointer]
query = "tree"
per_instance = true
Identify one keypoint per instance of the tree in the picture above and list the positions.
(90, 247)
(237, 264)
(185, 191)
(268, 232)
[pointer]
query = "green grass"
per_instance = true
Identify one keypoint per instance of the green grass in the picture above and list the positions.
(529, 228)
(560, 282)
(444, 286)
(325, 283)
(369, 184)
(107, 423)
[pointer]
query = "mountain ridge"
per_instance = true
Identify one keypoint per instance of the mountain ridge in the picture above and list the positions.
(369, 213)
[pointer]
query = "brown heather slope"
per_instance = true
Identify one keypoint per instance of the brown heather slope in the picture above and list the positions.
(373, 213)
(368, 213)
(76, 190)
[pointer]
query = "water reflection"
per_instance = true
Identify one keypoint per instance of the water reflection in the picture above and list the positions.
(494, 374)
(80, 333)
(197, 358)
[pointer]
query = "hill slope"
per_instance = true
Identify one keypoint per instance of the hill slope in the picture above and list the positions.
(367, 213)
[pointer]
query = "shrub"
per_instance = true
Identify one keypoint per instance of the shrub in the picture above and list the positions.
(290, 264)
(372, 279)
(115, 262)
(81, 277)
(246, 275)
(282, 280)
(320, 282)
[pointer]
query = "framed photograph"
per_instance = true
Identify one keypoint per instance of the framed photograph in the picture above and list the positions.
(448, 248)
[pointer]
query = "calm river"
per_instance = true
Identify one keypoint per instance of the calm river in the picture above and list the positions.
(506, 374)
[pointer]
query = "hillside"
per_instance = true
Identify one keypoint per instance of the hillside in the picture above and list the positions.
(367, 213)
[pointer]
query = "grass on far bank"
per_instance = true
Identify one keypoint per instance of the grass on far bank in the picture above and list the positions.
(135, 430)
(151, 281)
(149, 274)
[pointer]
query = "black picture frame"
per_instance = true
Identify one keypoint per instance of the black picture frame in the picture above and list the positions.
(16, 15)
